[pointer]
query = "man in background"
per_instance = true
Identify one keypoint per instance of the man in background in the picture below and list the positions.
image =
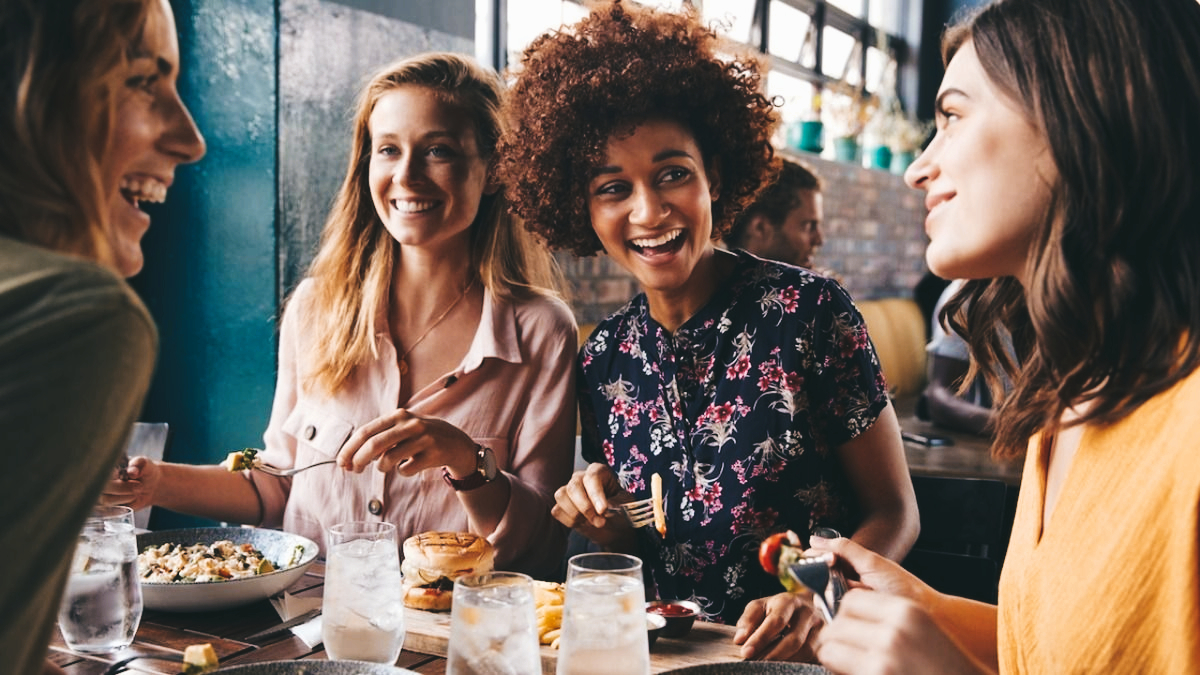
(785, 223)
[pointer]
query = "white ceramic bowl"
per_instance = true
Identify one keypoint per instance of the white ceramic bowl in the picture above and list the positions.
(192, 596)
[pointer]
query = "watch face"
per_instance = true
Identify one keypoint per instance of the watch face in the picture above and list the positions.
(487, 463)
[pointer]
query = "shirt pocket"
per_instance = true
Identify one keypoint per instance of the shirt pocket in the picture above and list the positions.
(319, 435)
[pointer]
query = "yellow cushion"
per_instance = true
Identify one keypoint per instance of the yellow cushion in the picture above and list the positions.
(897, 330)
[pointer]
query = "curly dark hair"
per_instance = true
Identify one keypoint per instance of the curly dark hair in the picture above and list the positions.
(620, 66)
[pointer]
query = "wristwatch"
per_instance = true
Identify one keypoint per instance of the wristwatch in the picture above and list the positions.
(485, 471)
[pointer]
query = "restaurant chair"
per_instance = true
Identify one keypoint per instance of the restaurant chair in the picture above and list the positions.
(964, 534)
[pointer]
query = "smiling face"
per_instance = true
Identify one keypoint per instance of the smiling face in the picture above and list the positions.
(988, 177)
(426, 175)
(650, 205)
(153, 133)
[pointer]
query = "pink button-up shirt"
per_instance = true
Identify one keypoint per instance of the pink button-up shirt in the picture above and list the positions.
(513, 392)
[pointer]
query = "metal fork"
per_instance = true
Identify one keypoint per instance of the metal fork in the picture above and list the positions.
(813, 573)
(284, 473)
(640, 512)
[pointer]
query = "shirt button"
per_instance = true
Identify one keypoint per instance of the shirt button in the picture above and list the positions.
(310, 432)
(375, 507)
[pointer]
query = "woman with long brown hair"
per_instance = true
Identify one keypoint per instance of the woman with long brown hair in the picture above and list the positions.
(427, 351)
(1062, 180)
(91, 125)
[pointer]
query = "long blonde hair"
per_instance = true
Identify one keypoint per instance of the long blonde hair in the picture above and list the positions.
(62, 63)
(353, 269)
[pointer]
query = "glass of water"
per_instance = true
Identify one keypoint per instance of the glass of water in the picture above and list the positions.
(604, 617)
(102, 605)
(363, 608)
(493, 629)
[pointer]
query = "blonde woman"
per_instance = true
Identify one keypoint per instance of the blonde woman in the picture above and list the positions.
(426, 351)
(91, 124)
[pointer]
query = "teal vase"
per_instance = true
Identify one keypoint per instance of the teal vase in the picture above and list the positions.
(901, 160)
(845, 149)
(881, 158)
(811, 137)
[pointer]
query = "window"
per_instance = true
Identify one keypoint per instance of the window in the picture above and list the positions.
(852, 52)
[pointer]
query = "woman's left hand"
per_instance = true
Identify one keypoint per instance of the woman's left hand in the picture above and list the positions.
(778, 628)
(409, 444)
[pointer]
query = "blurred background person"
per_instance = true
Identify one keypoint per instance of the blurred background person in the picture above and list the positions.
(784, 222)
(944, 401)
(91, 126)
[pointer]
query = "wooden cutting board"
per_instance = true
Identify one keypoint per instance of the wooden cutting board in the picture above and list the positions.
(429, 633)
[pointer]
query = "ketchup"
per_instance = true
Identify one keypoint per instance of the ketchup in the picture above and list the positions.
(671, 610)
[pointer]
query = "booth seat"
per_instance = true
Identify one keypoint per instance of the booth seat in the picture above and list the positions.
(897, 329)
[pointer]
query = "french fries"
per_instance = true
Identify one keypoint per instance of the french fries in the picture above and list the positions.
(656, 496)
(548, 600)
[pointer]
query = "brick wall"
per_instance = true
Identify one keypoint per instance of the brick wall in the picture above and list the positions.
(874, 242)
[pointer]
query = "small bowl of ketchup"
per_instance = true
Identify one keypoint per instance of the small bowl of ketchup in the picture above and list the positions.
(680, 615)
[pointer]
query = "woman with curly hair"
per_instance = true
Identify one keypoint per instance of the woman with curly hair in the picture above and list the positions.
(426, 344)
(749, 387)
(1062, 180)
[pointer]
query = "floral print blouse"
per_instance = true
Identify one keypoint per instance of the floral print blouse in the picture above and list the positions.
(740, 412)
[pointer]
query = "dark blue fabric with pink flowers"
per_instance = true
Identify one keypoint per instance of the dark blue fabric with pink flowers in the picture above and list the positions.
(740, 412)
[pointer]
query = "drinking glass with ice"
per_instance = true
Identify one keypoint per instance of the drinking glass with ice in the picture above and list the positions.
(363, 608)
(604, 617)
(493, 630)
(102, 605)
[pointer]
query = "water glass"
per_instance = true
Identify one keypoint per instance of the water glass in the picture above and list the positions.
(604, 617)
(102, 605)
(363, 608)
(493, 628)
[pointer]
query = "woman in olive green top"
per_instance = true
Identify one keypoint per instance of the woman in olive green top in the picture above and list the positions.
(90, 125)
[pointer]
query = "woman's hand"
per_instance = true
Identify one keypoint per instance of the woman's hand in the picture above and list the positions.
(877, 633)
(871, 570)
(136, 489)
(410, 444)
(777, 628)
(582, 504)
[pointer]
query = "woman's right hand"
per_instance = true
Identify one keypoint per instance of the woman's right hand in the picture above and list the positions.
(582, 504)
(136, 488)
(871, 570)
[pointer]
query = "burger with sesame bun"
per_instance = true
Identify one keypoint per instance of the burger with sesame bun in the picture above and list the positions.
(433, 560)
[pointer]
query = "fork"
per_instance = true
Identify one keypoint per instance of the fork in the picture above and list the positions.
(284, 473)
(640, 512)
(813, 573)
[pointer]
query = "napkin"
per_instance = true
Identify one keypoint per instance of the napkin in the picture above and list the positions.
(288, 606)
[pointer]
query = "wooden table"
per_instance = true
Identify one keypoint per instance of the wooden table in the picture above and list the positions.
(170, 633)
(968, 457)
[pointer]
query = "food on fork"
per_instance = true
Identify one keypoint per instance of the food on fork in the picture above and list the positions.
(433, 560)
(778, 551)
(240, 460)
(656, 497)
(199, 659)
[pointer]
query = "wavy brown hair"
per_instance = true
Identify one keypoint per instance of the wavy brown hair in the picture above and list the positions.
(1111, 314)
(618, 67)
(62, 64)
(353, 269)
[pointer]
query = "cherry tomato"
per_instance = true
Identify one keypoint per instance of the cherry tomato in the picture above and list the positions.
(768, 552)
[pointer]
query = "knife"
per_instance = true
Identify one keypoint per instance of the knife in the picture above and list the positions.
(283, 627)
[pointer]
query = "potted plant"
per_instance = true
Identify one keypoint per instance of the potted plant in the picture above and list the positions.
(809, 134)
(849, 110)
(906, 136)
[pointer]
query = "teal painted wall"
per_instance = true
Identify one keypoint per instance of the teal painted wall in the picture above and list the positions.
(210, 279)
